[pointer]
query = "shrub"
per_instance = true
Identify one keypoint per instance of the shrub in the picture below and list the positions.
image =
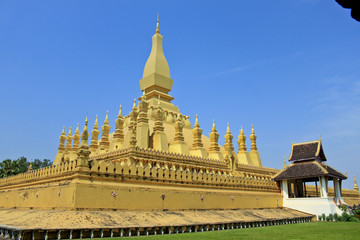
(343, 208)
(331, 217)
(323, 216)
(327, 219)
(345, 217)
(336, 217)
(319, 217)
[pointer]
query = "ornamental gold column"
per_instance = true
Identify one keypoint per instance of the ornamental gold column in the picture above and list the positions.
(229, 149)
(179, 145)
(142, 128)
(61, 148)
(105, 129)
(214, 150)
(243, 155)
(94, 137)
(254, 153)
(160, 141)
(198, 146)
(118, 137)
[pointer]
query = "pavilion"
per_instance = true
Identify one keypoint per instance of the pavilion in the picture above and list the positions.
(308, 167)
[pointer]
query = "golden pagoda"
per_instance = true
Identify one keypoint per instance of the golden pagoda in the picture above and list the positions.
(153, 162)
(153, 159)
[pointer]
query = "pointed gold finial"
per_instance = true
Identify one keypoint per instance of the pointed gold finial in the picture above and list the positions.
(213, 126)
(253, 139)
(228, 129)
(196, 122)
(63, 131)
(70, 133)
(85, 135)
(356, 187)
(120, 112)
(77, 129)
(241, 131)
(134, 105)
(30, 166)
(86, 123)
(157, 24)
(96, 124)
(107, 118)
(284, 162)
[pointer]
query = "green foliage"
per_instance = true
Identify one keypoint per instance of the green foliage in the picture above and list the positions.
(343, 208)
(336, 217)
(323, 216)
(319, 217)
(331, 218)
(357, 212)
(10, 167)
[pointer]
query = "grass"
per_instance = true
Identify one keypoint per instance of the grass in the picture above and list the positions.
(313, 230)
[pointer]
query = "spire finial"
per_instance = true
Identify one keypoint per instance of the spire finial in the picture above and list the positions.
(228, 129)
(30, 166)
(213, 126)
(77, 129)
(70, 133)
(241, 131)
(356, 187)
(252, 129)
(107, 117)
(157, 24)
(96, 124)
(63, 131)
(120, 112)
(134, 105)
(196, 122)
(284, 162)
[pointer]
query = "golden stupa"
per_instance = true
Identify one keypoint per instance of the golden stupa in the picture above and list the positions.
(153, 160)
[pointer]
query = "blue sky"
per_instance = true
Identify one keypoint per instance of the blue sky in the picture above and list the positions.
(291, 68)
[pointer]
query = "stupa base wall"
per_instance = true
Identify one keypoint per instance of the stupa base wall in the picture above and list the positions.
(131, 196)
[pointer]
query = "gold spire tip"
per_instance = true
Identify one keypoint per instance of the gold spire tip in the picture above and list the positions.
(120, 112)
(157, 24)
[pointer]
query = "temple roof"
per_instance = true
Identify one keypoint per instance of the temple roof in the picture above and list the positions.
(307, 151)
(308, 170)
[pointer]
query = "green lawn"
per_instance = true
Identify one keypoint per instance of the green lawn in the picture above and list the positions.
(314, 230)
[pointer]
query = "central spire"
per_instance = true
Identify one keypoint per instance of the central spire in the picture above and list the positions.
(156, 62)
(156, 82)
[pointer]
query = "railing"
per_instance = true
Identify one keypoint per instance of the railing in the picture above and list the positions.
(47, 172)
(149, 165)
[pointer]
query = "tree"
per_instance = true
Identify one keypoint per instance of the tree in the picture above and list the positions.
(10, 167)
